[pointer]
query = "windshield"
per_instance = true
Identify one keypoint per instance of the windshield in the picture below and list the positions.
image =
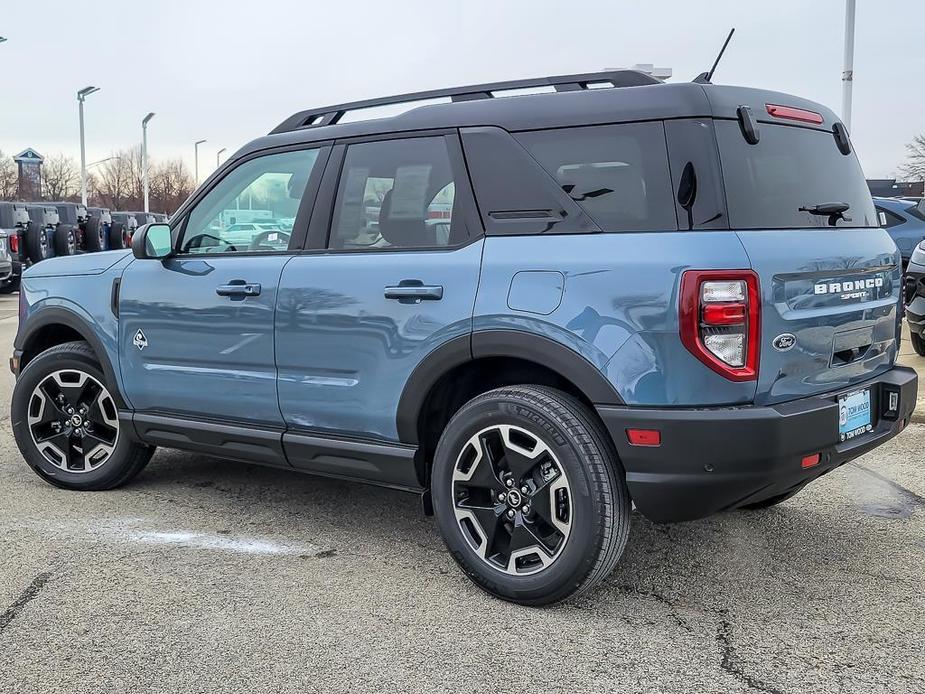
(789, 168)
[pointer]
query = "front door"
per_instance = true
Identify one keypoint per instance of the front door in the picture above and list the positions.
(197, 330)
(395, 280)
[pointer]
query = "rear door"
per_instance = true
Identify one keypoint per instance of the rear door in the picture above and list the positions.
(830, 284)
(392, 276)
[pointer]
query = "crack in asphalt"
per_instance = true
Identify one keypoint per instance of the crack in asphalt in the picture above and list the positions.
(27, 596)
(658, 597)
(731, 662)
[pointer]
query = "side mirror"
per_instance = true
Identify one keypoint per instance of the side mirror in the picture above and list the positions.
(152, 242)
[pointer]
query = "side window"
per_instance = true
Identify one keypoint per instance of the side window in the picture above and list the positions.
(890, 218)
(397, 194)
(618, 174)
(249, 209)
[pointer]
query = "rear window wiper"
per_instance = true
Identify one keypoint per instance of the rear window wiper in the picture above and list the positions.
(833, 210)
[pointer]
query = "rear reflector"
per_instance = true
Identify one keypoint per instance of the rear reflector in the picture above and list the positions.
(644, 437)
(810, 461)
(798, 114)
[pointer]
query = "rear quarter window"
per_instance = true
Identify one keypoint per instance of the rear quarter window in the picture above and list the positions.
(617, 174)
(790, 167)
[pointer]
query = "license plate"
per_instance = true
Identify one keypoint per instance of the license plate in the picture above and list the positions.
(854, 414)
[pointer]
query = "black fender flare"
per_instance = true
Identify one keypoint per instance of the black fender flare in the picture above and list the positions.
(56, 315)
(532, 347)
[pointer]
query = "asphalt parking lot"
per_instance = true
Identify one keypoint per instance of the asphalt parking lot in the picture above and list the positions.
(209, 575)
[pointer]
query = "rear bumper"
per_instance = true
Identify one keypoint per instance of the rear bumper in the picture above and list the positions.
(713, 460)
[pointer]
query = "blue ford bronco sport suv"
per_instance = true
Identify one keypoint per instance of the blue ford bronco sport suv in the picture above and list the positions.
(535, 309)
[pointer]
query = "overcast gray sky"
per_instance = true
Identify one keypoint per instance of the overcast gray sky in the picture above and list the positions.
(230, 71)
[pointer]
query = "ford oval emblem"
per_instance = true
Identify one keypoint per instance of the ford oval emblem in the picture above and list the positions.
(784, 342)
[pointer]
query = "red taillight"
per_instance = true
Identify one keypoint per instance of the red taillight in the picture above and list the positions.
(14, 243)
(791, 113)
(644, 437)
(724, 314)
(810, 461)
(720, 320)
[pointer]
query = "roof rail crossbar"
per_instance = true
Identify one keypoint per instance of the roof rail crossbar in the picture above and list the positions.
(330, 115)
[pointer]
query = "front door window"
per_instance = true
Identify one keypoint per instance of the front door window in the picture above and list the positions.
(251, 210)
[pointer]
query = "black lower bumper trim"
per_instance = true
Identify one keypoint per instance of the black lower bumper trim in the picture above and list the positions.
(716, 459)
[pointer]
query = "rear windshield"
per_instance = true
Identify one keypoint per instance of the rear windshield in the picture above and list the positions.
(789, 168)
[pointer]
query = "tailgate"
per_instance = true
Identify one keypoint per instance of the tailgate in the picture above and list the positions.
(830, 308)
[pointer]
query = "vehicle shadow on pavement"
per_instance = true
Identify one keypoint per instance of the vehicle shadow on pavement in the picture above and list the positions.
(736, 558)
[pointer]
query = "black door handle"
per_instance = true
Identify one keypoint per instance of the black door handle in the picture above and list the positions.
(414, 291)
(238, 288)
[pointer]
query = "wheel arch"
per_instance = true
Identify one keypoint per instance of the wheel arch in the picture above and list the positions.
(54, 326)
(467, 366)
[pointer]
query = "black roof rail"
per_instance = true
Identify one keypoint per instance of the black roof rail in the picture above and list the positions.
(329, 115)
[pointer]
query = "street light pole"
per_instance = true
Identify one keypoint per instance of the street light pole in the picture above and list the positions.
(144, 156)
(847, 76)
(196, 169)
(81, 95)
(218, 157)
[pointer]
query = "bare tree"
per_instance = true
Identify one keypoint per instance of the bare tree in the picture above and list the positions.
(914, 168)
(171, 183)
(118, 185)
(9, 177)
(112, 182)
(60, 177)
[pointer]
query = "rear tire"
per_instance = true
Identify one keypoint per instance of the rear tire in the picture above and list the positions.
(918, 344)
(529, 496)
(116, 242)
(36, 243)
(65, 240)
(66, 423)
(93, 235)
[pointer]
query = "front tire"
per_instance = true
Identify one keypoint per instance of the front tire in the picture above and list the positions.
(66, 423)
(529, 496)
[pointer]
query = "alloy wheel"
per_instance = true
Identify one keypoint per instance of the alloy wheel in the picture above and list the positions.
(512, 500)
(73, 421)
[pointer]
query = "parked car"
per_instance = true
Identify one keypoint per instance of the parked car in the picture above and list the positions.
(643, 294)
(9, 282)
(14, 221)
(915, 298)
(904, 221)
(62, 238)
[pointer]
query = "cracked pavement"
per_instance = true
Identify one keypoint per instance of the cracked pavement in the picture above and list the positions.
(209, 575)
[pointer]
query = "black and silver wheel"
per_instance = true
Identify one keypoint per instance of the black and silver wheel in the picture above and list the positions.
(528, 495)
(66, 422)
(73, 420)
